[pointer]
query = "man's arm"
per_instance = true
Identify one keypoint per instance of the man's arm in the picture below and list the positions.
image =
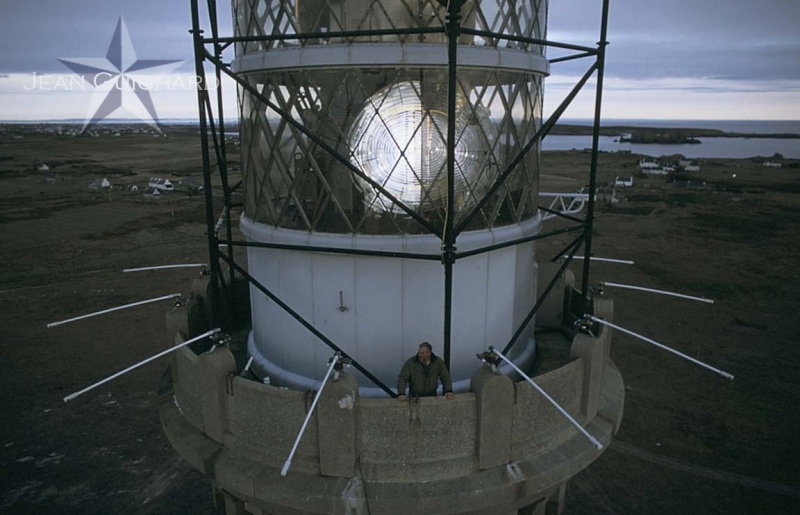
(447, 383)
(402, 381)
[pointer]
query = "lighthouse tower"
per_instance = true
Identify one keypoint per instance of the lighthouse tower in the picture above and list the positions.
(390, 157)
(407, 161)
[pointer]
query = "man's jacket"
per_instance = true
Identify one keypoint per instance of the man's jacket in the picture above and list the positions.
(422, 382)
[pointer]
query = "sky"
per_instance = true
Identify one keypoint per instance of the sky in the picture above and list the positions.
(667, 59)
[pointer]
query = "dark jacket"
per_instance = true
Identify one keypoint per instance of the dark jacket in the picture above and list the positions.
(422, 382)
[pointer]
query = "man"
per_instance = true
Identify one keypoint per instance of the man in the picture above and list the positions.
(422, 374)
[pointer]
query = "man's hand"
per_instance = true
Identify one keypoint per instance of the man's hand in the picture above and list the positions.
(402, 398)
(449, 396)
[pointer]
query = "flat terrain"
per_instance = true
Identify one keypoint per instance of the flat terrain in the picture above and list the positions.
(691, 441)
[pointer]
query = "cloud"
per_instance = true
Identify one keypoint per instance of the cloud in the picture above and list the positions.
(721, 39)
(159, 30)
(68, 96)
(680, 98)
(674, 47)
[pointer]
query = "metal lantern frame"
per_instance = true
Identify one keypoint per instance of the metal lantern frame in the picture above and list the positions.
(209, 47)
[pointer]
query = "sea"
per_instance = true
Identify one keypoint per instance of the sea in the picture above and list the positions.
(737, 148)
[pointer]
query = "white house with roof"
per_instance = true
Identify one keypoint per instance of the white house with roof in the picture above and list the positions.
(100, 184)
(160, 184)
(646, 164)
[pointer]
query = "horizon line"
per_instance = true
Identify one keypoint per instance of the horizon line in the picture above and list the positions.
(112, 121)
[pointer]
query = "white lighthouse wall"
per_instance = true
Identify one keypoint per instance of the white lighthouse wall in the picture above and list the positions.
(379, 315)
(387, 306)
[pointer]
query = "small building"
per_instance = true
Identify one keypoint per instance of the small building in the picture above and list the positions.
(189, 182)
(152, 192)
(655, 171)
(625, 182)
(43, 167)
(688, 166)
(773, 164)
(100, 184)
(161, 184)
(53, 178)
(645, 164)
(608, 195)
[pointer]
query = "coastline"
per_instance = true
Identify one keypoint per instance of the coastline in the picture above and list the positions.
(566, 127)
(650, 141)
(670, 134)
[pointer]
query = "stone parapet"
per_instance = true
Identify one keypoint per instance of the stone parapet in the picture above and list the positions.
(494, 393)
(499, 448)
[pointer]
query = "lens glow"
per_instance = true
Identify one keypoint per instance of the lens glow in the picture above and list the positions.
(402, 145)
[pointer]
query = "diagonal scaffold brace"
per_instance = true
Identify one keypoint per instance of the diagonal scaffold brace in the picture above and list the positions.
(334, 360)
(137, 365)
(662, 346)
(111, 310)
(660, 292)
(538, 388)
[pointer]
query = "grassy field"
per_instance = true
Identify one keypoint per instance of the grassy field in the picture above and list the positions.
(691, 441)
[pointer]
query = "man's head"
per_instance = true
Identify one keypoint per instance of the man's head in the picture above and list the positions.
(424, 352)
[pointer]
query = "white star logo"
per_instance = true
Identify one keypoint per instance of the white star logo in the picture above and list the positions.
(119, 80)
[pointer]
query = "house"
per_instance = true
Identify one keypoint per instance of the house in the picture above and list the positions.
(161, 184)
(100, 184)
(152, 192)
(43, 167)
(189, 182)
(688, 166)
(772, 164)
(53, 178)
(623, 182)
(644, 164)
(655, 171)
(608, 195)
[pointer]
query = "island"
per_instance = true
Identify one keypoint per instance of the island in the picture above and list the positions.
(661, 135)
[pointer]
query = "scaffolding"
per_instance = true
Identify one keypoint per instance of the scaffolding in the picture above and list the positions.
(224, 265)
